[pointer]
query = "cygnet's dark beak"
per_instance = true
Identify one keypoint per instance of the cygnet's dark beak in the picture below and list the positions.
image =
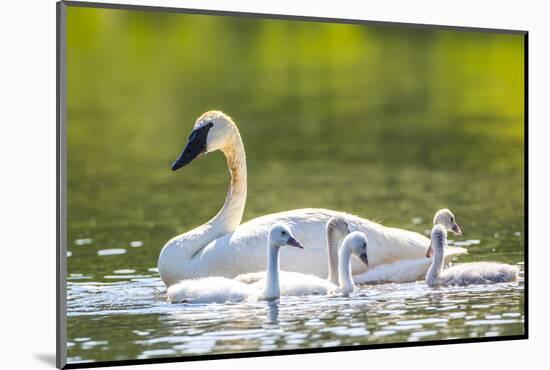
(364, 258)
(196, 145)
(456, 230)
(295, 243)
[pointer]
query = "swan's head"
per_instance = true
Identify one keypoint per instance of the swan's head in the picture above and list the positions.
(357, 243)
(447, 220)
(280, 235)
(212, 131)
(338, 225)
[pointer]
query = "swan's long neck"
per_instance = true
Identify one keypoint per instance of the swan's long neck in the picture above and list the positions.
(345, 281)
(231, 214)
(333, 241)
(272, 279)
(439, 241)
(186, 246)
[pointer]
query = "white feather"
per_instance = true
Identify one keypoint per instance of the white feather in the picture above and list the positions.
(210, 290)
(479, 273)
(297, 284)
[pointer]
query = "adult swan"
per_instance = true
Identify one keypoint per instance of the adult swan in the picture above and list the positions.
(221, 247)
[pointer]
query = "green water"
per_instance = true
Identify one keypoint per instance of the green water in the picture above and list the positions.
(387, 123)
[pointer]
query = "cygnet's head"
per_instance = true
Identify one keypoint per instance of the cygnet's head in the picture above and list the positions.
(445, 218)
(357, 243)
(280, 235)
(212, 131)
(337, 225)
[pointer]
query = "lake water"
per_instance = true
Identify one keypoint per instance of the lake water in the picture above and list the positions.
(387, 123)
(123, 319)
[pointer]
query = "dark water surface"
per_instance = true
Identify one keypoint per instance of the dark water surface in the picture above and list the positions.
(387, 123)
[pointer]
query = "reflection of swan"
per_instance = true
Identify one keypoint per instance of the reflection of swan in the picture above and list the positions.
(436, 297)
(408, 270)
(466, 273)
(297, 284)
(221, 247)
(273, 312)
(220, 289)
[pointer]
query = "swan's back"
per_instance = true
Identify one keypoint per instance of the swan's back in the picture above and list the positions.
(479, 273)
(389, 244)
(210, 290)
(403, 271)
(252, 277)
(296, 284)
(238, 252)
(399, 272)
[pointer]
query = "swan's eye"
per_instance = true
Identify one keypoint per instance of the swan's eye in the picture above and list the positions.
(452, 219)
(284, 233)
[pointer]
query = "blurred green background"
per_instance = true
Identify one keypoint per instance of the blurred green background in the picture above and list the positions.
(390, 123)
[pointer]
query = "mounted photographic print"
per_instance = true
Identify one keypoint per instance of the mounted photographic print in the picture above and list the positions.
(234, 184)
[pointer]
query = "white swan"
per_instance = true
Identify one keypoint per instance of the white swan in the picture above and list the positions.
(466, 273)
(221, 247)
(408, 270)
(298, 284)
(221, 289)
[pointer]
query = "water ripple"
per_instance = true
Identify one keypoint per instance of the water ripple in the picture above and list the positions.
(135, 309)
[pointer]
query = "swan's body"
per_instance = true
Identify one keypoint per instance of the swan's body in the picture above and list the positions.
(467, 273)
(239, 252)
(297, 284)
(221, 247)
(212, 289)
(291, 283)
(476, 273)
(404, 271)
(220, 289)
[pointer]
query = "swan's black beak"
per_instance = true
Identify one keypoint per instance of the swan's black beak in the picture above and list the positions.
(364, 258)
(295, 243)
(194, 148)
(430, 251)
(456, 230)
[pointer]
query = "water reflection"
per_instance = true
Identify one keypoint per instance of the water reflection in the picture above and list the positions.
(437, 296)
(273, 312)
